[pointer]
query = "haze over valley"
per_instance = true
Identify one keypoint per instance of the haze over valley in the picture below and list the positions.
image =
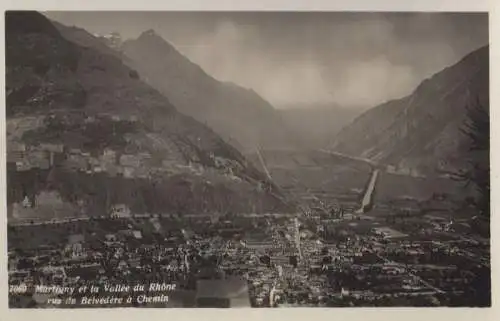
(264, 159)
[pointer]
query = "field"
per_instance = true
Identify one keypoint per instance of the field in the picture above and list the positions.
(392, 186)
(312, 176)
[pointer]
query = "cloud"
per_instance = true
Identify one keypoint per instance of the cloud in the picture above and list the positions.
(372, 81)
(353, 62)
(310, 58)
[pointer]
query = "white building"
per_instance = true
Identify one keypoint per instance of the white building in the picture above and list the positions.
(120, 210)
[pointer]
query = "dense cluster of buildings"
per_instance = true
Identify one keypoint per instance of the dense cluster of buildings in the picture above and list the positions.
(24, 157)
(46, 156)
(282, 259)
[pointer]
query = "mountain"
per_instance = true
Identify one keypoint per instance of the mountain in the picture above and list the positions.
(423, 130)
(86, 136)
(239, 115)
(316, 125)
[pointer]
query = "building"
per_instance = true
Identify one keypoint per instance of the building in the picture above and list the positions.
(49, 147)
(280, 260)
(391, 169)
(258, 245)
(130, 160)
(144, 157)
(15, 147)
(108, 157)
(137, 234)
(77, 162)
(128, 172)
(75, 244)
(169, 163)
(388, 233)
(120, 210)
(23, 166)
(111, 237)
(15, 156)
(89, 119)
(112, 170)
(41, 159)
(141, 172)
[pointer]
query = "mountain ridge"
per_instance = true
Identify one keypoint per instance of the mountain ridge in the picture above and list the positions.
(81, 124)
(238, 114)
(422, 130)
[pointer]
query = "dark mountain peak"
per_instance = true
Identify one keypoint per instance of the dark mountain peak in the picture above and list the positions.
(479, 56)
(481, 51)
(33, 42)
(238, 114)
(423, 130)
(150, 40)
(19, 22)
(88, 102)
(151, 35)
(467, 66)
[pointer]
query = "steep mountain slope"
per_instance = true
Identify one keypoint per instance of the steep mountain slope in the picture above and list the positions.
(84, 131)
(422, 130)
(239, 115)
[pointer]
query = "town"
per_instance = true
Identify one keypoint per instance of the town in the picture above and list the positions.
(285, 260)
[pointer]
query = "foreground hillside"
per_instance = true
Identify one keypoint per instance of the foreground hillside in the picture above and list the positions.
(86, 136)
(423, 131)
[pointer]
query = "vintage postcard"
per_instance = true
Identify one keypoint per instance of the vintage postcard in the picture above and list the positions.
(247, 159)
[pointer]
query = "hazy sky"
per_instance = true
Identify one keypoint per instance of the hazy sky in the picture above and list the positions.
(291, 58)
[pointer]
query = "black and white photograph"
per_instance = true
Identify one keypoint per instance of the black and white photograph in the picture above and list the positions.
(247, 159)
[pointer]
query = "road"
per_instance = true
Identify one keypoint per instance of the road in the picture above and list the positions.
(427, 284)
(368, 197)
(353, 158)
(464, 253)
(297, 236)
(266, 171)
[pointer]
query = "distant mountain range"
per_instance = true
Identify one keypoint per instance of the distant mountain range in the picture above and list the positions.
(239, 115)
(94, 123)
(318, 124)
(83, 127)
(423, 130)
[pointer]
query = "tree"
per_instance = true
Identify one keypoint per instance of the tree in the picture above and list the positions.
(477, 129)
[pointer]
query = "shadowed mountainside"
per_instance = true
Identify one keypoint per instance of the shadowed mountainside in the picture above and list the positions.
(239, 115)
(423, 130)
(81, 123)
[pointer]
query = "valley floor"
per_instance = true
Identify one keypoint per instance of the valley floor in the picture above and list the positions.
(415, 244)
